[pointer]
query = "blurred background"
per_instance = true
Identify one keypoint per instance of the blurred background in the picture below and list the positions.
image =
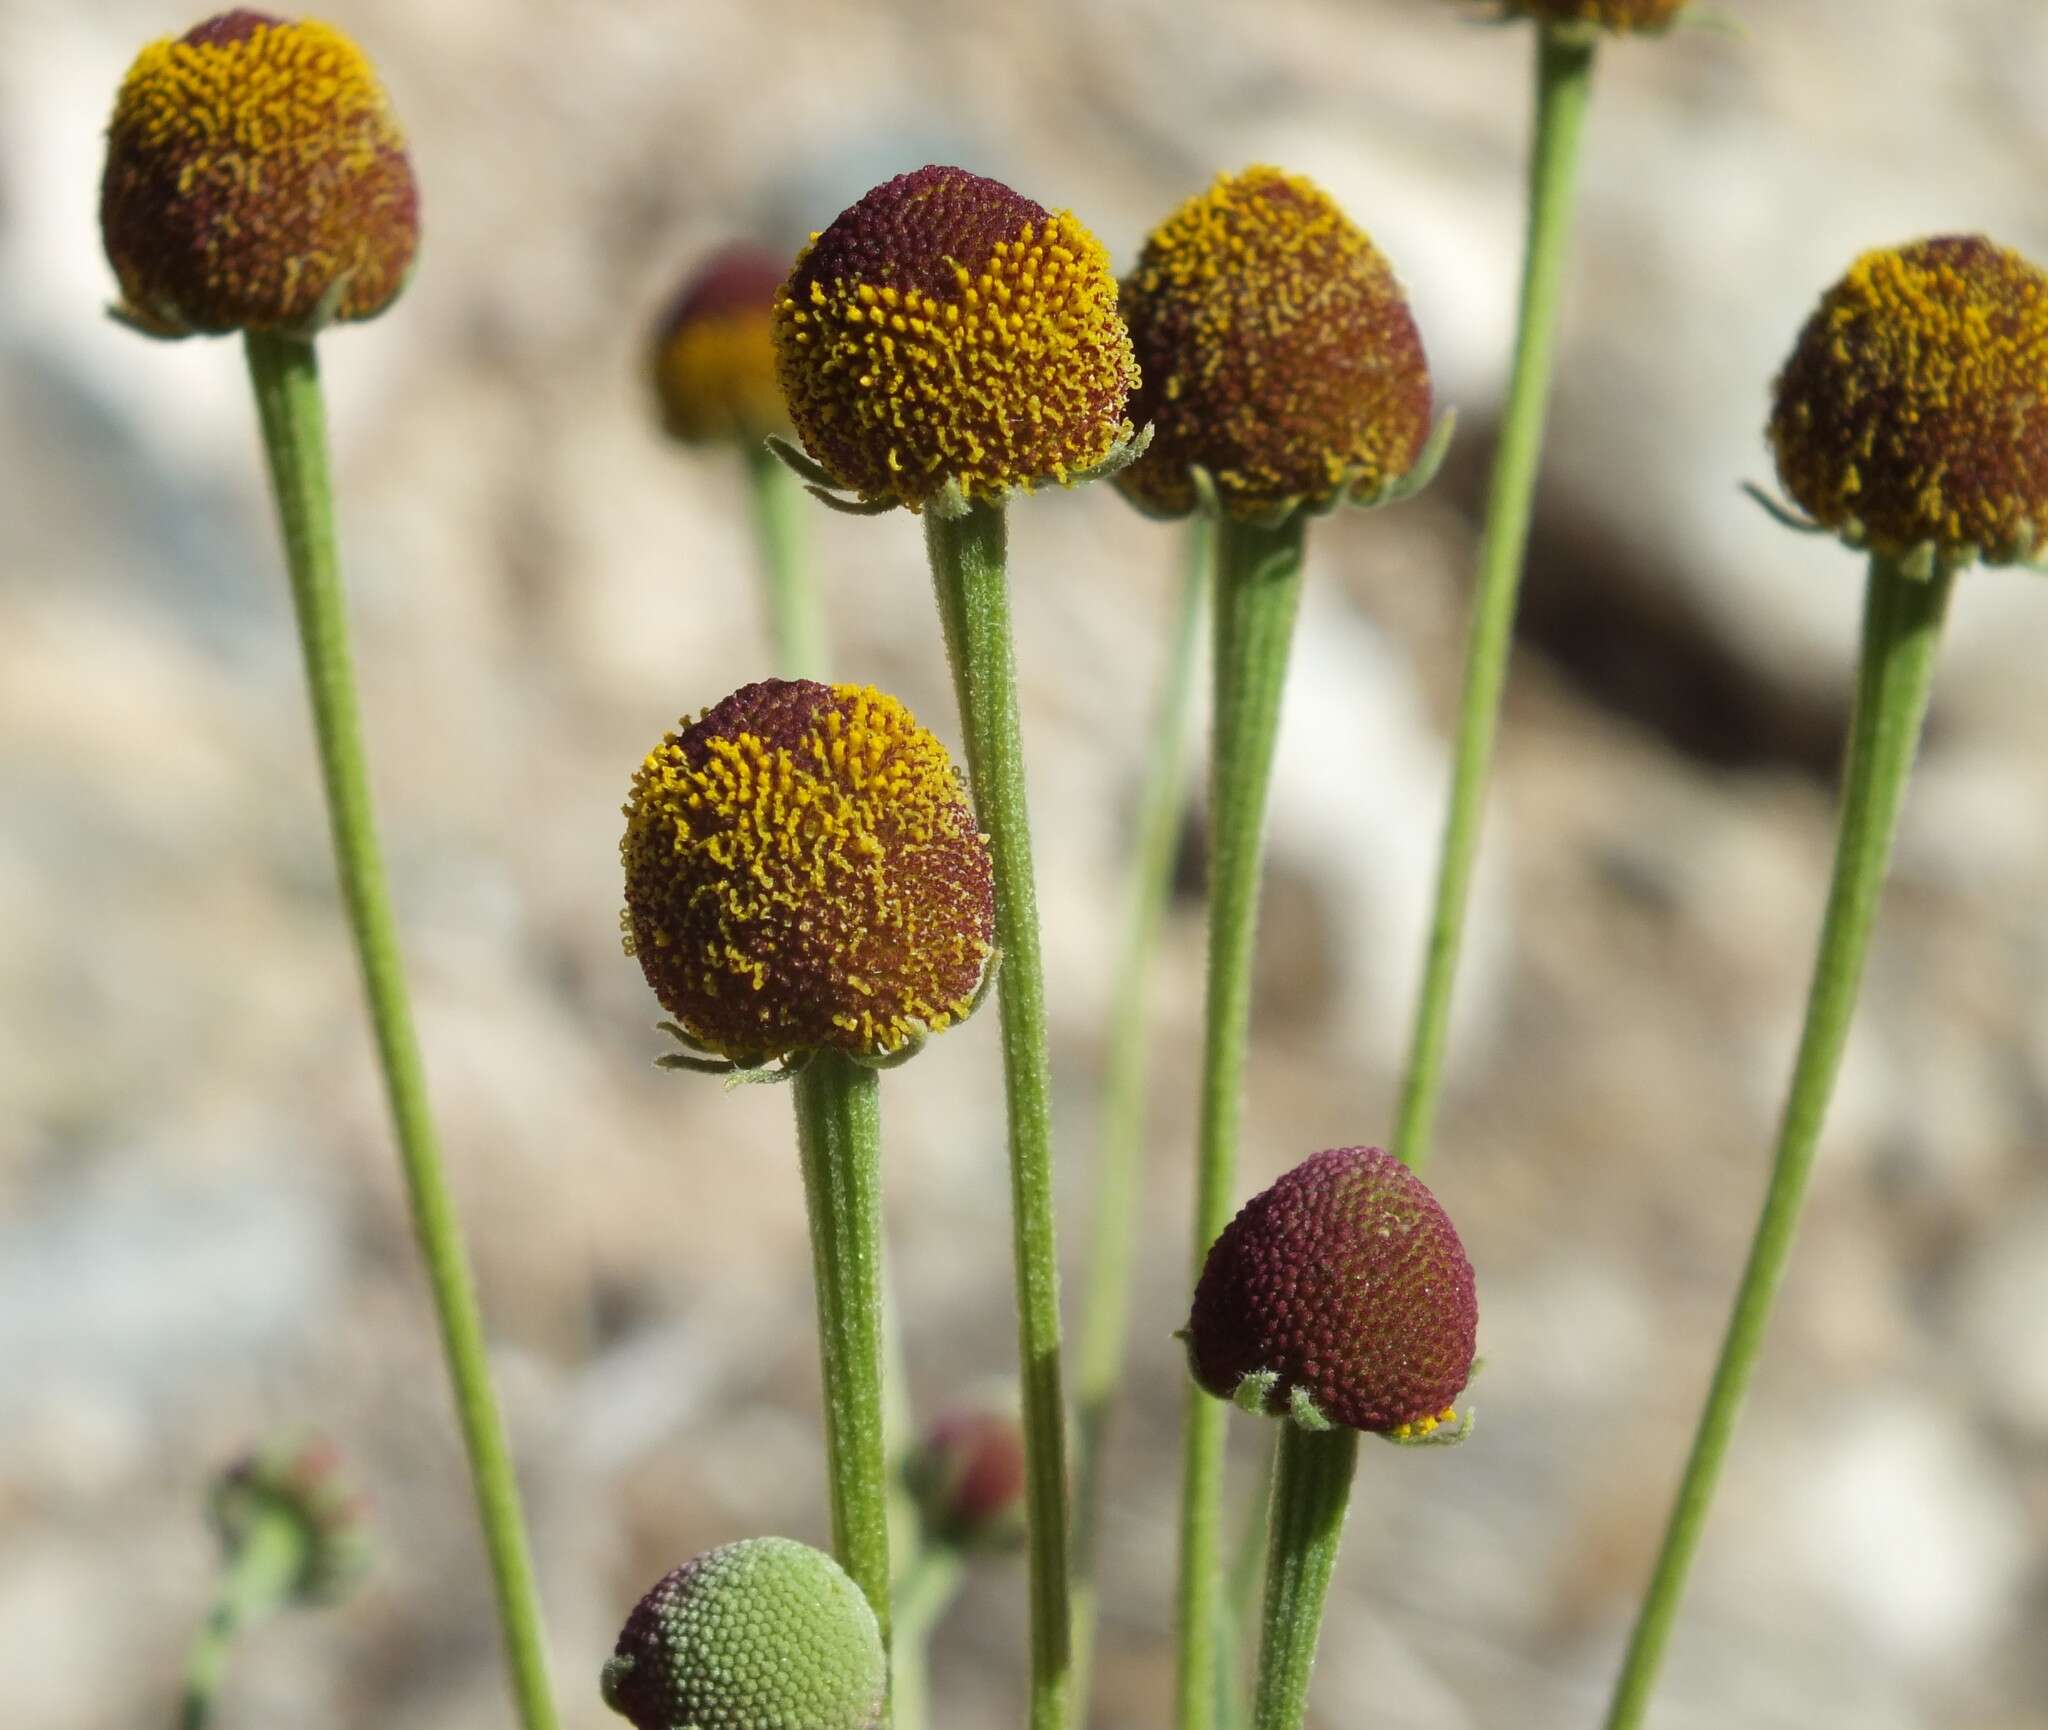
(201, 1234)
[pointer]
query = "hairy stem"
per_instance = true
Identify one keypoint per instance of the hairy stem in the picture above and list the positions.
(287, 384)
(1258, 590)
(839, 1136)
(255, 1580)
(971, 583)
(796, 623)
(1105, 1324)
(1564, 80)
(1901, 630)
(1311, 1492)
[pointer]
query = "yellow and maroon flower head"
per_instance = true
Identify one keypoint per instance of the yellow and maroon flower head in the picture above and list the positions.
(947, 329)
(256, 180)
(1607, 14)
(1277, 352)
(803, 873)
(1341, 1295)
(714, 351)
(1913, 413)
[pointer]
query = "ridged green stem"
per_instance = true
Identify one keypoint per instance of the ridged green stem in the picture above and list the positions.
(1258, 591)
(1311, 1492)
(255, 1580)
(971, 582)
(1564, 82)
(1105, 1321)
(796, 623)
(839, 1137)
(1902, 623)
(287, 383)
(1241, 1594)
(928, 1587)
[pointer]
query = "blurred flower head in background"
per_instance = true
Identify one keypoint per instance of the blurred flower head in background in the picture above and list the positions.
(967, 1477)
(302, 1482)
(714, 351)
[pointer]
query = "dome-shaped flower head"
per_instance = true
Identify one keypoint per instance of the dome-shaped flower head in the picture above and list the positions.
(1608, 14)
(303, 1483)
(803, 872)
(714, 351)
(256, 180)
(1277, 353)
(1914, 410)
(946, 329)
(967, 1477)
(765, 1634)
(1345, 1286)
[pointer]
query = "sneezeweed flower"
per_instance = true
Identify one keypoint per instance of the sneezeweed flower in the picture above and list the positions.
(764, 1634)
(803, 873)
(304, 1485)
(256, 180)
(1617, 15)
(713, 353)
(1278, 354)
(966, 1476)
(1340, 1295)
(1912, 417)
(946, 337)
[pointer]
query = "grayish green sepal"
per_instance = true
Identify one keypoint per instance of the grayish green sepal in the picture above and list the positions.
(1427, 467)
(1254, 1391)
(1444, 1436)
(1304, 1413)
(812, 473)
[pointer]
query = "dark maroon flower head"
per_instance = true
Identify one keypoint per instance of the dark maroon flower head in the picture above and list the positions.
(967, 1477)
(1344, 1283)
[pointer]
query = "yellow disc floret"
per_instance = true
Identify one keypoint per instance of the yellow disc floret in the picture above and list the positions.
(256, 180)
(803, 873)
(1914, 410)
(1278, 352)
(946, 329)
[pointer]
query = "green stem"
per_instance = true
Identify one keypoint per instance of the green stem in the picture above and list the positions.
(1105, 1325)
(1241, 1592)
(1901, 630)
(796, 624)
(287, 383)
(971, 583)
(1258, 590)
(927, 1591)
(255, 1581)
(1311, 1491)
(1564, 82)
(839, 1135)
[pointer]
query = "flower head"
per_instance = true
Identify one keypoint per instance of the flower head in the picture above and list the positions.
(1343, 1286)
(301, 1482)
(967, 1477)
(714, 351)
(256, 180)
(1608, 14)
(803, 872)
(765, 1634)
(1914, 410)
(946, 329)
(1277, 352)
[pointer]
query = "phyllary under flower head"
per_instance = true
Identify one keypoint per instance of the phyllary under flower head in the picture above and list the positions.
(1608, 14)
(1343, 1285)
(1914, 410)
(765, 1634)
(803, 872)
(947, 329)
(1277, 352)
(714, 351)
(303, 1483)
(256, 180)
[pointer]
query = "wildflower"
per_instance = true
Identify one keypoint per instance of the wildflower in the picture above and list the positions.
(1914, 410)
(967, 1478)
(947, 329)
(256, 180)
(1277, 352)
(714, 352)
(803, 872)
(1607, 14)
(301, 1482)
(764, 1634)
(1340, 1295)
